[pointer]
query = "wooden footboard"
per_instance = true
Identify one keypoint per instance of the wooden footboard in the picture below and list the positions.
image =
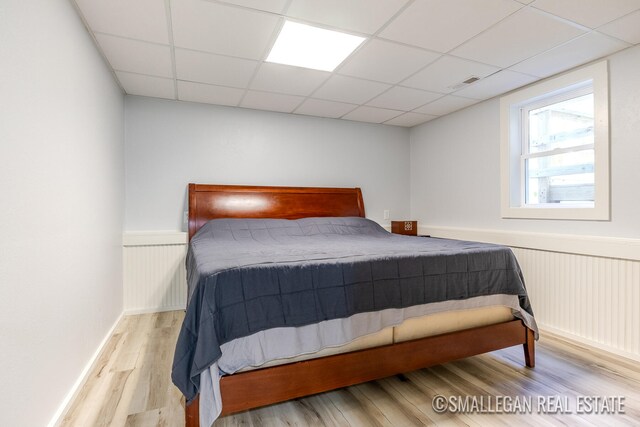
(266, 386)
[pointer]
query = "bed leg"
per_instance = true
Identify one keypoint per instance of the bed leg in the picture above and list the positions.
(192, 413)
(529, 349)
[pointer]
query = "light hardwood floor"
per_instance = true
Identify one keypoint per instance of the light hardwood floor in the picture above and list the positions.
(131, 386)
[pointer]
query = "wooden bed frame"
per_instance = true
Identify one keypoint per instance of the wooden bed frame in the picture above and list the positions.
(260, 387)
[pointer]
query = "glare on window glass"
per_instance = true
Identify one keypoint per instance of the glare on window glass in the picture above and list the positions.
(565, 124)
(560, 164)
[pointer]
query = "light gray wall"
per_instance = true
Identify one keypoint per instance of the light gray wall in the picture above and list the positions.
(455, 165)
(169, 144)
(61, 182)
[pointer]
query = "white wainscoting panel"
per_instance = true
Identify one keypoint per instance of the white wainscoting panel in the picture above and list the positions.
(584, 288)
(154, 274)
(593, 300)
(588, 297)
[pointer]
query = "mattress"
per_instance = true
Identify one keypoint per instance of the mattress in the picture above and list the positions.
(410, 329)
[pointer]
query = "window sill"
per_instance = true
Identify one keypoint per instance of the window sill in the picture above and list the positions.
(562, 213)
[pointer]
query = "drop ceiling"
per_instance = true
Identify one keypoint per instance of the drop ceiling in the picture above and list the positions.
(408, 71)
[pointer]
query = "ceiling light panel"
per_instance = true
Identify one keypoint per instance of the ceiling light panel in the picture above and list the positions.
(312, 47)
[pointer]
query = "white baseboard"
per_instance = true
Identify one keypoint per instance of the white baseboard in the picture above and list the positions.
(589, 344)
(134, 311)
(59, 415)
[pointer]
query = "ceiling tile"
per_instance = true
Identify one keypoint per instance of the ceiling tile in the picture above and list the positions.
(275, 6)
(576, 52)
(446, 105)
(364, 16)
(446, 72)
(209, 94)
(371, 114)
(402, 98)
(441, 25)
(409, 119)
(520, 36)
(218, 28)
(138, 84)
(213, 69)
(591, 13)
(220, 46)
(136, 56)
(286, 79)
(386, 62)
(626, 28)
(124, 18)
(322, 108)
(495, 84)
(271, 101)
(349, 90)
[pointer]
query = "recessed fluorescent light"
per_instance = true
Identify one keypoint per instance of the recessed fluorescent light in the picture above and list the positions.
(312, 47)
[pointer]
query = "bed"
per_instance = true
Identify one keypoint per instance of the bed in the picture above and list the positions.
(393, 348)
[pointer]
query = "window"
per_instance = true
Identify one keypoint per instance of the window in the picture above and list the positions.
(555, 148)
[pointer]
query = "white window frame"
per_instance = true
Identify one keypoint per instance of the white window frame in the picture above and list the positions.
(512, 134)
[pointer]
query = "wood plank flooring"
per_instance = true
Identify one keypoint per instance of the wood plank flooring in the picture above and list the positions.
(131, 386)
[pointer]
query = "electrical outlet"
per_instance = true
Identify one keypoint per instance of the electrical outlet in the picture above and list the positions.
(386, 214)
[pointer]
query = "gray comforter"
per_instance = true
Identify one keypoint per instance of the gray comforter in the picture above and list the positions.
(248, 275)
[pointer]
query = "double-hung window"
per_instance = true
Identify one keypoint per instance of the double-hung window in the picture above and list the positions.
(555, 148)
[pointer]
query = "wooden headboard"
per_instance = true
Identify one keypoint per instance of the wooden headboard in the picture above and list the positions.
(208, 202)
